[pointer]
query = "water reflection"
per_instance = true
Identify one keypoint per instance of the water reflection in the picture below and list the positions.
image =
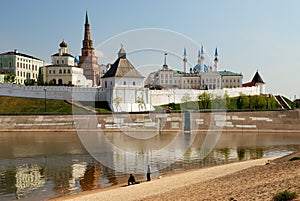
(56, 164)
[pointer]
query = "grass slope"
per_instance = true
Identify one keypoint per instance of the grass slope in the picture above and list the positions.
(15, 105)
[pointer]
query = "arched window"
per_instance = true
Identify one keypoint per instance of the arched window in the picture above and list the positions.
(64, 71)
(133, 83)
(69, 71)
(60, 71)
(60, 82)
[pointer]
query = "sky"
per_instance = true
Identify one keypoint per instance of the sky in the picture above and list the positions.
(251, 35)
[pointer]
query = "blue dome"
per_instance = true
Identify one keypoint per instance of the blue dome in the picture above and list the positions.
(197, 67)
(206, 68)
(76, 59)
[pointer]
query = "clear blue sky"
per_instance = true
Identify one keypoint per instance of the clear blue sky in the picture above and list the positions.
(250, 35)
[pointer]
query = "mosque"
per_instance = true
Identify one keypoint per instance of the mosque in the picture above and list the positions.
(201, 77)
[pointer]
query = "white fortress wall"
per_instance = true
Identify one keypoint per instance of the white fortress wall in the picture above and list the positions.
(160, 97)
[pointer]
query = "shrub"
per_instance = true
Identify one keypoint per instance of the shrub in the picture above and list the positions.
(285, 196)
(295, 158)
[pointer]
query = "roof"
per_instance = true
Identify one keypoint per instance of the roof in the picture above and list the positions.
(257, 78)
(20, 54)
(249, 84)
(122, 68)
(228, 73)
(63, 65)
(64, 54)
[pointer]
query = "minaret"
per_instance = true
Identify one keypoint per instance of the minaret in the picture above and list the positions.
(165, 66)
(201, 56)
(184, 60)
(88, 61)
(216, 60)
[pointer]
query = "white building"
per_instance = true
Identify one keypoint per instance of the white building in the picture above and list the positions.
(64, 70)
(24, 66)
(124, 86)
(200, 77)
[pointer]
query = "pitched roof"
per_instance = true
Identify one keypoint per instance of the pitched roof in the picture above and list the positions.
(64, 54)
(257, 78)
(122, 68)
(20, 54)
(228, 73)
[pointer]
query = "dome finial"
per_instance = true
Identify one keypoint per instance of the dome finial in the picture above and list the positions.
(122, 53)
(63, 43)
(86, 17)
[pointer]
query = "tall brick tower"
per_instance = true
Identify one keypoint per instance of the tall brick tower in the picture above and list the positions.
(88, 61)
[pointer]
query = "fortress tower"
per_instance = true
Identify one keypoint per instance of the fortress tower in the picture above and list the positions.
(88, 61)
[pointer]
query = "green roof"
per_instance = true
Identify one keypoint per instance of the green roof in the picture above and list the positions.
(228, 73)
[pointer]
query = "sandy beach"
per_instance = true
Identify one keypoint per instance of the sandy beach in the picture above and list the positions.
(248, 180)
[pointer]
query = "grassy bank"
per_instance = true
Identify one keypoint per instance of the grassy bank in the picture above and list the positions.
(15, 105)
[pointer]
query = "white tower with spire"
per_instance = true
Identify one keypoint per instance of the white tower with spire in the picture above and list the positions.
(184, 61)
(216, 60)
(201, 58)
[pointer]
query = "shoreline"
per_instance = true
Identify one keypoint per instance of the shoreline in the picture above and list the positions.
(199, 131)
(167, 184)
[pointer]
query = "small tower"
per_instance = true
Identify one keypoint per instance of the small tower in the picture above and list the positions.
(122, 53)
(165, 66)
(63, 48)
(216, 60)
(184, 60)
(201, 59)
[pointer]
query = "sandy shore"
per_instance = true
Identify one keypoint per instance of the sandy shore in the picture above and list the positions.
(248, 180)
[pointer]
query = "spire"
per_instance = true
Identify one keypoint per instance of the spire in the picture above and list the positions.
(184, 60)
(202, 52)
(199, 53)
(122, 53)
(216, 52)
(165, 66)
(86, 18)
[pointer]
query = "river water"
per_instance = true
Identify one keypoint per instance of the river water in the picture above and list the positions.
(42, 165)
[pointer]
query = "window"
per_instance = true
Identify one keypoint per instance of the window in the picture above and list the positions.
(124, 83)
(166, 81)
(53, 71)
(64, 71)
(57, 62)
(105, 84)
(60, 71)
(69, 71)
(62, 61)
(49, 71)
(133, 83)
(36, 67)
(170, 81)
(18, 64)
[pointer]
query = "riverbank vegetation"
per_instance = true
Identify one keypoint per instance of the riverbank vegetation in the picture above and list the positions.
(207, 102)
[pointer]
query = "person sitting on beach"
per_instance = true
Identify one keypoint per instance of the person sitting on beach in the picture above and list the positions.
(131, 179)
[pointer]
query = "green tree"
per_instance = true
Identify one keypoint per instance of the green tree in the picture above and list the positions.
(204, 100)
(141, 103)
(242, 102)
(10, 78)
(185, 99)
(218, 102)
(117, 101)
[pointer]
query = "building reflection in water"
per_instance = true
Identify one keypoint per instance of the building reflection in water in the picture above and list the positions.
(51, 173)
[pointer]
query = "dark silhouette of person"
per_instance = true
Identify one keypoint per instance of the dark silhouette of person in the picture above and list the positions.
(149, 173)
(131, 180)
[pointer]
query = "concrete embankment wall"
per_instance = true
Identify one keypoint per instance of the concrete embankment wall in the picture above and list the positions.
(274, 121)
